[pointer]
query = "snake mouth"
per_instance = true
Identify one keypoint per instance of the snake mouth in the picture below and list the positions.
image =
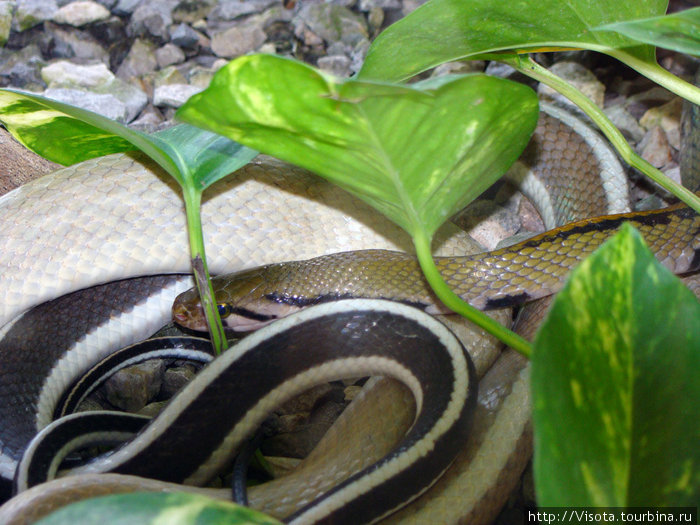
(189, 316)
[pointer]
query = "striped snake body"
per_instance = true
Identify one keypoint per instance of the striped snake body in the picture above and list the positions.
(117, 219)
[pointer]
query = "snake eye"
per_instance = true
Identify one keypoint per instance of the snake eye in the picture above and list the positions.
(224, 310)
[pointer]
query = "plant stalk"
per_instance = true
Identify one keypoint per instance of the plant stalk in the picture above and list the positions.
(529, 67)
(193, 200)
(455, 303)
(655, 72)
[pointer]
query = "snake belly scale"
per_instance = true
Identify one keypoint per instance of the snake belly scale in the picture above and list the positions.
(44, 217)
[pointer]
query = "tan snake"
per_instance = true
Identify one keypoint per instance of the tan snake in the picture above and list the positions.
(89, 240)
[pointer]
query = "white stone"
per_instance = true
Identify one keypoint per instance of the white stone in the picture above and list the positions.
(81, 13)
(106, 105)
(65, 73)
(29, 13)
(173, 95)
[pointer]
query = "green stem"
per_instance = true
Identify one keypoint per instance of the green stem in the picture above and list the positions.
(531, 68)
(655, 72)
(193, 200)
(457, 304)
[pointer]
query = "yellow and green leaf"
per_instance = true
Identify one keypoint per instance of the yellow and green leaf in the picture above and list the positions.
(615, 372)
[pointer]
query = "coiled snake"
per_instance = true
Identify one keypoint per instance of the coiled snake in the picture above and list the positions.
(118, 219)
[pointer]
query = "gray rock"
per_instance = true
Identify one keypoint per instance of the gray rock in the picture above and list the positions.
(98, 80)
(201, 76)
(152, 409)
(458, 68)
(149, 120)
(338, 65)
(140, 61)
(499, 69)
(651, 97)
(80, 13)
(232, 9)
(167, 76)
(358, 54)
(489, 222)
(375, 19)
(73, 43)
(132, 97)
(668, 117)
(89, 405)
(366, 5)
(130, 389)
(173, 95)
(184, 36)
(238, 40)
(411, 5)
(29, 13)
(530, 219)
(578, 76)
(175, 378)
(151, 19)
(109, 4)
(331, 23)
(107, 105)
(168, 55)
(6, 10)
(22, 68)
(68, 74)
(189, 11)
(125, 7)
(625, 122)
(513, 239)
(654, 147)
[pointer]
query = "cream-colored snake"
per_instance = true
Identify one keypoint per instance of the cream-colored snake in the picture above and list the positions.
(118, 217)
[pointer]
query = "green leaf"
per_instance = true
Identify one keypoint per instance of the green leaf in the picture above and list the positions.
(177, 508)
(67, 135)
(679, 31)
(615, 381)
(417, 154)
(76, 134)
(203, 157)
(444, 30)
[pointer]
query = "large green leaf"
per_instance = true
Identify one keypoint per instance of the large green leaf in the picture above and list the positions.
(679, 31)
(416, 153)
(615, 381)
(443, 30)
(176, 508)
(67, 135)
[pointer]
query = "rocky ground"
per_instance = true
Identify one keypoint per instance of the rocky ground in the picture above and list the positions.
(136, 61)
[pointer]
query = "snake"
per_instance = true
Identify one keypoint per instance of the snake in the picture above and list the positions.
(118, 219)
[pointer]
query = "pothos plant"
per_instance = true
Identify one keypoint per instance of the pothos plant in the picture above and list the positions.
(379, 140)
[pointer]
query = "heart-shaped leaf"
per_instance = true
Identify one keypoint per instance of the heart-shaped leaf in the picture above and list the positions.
(615, 381)
(417, 153)
(176, 508)
(444, 30)
(679, 31)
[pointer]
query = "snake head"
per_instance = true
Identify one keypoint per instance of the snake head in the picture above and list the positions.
(241, 300)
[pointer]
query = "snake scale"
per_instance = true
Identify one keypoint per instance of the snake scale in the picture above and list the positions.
(118, 219)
